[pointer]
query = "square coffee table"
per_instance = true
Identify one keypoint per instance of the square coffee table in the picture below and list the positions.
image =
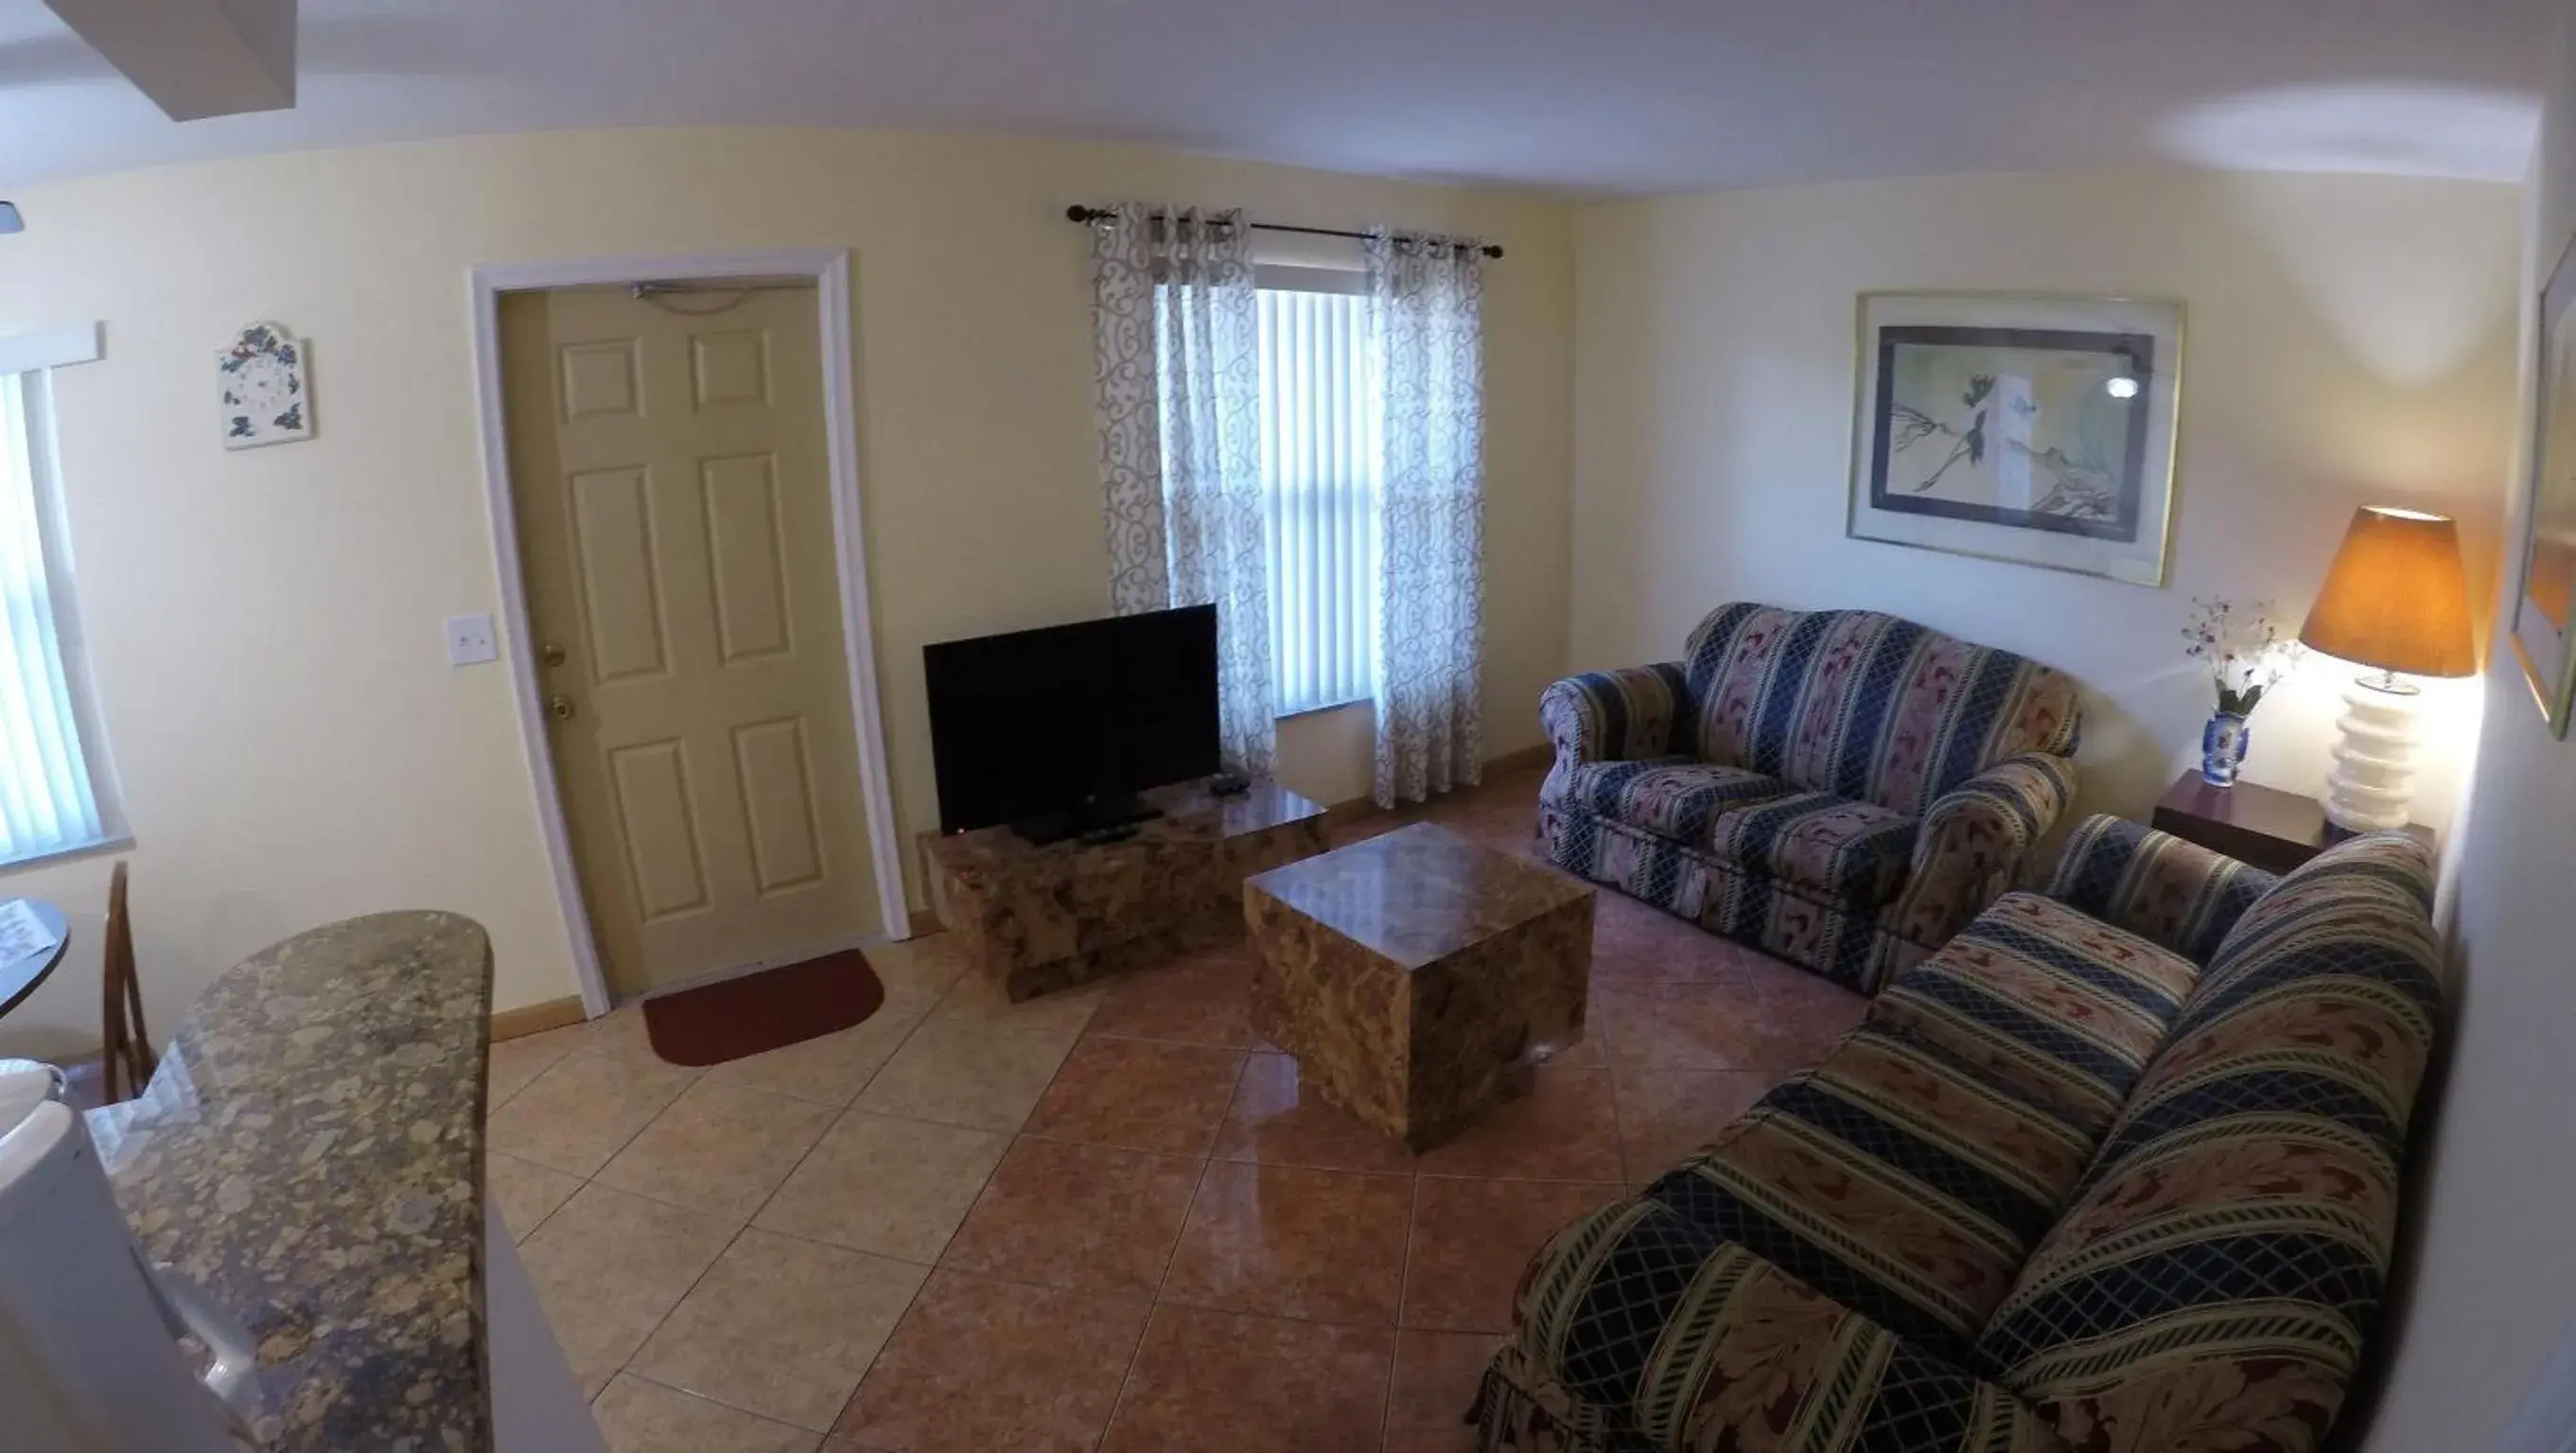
(1418, 977)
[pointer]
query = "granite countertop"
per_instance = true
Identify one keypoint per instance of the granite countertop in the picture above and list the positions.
(311, 1152)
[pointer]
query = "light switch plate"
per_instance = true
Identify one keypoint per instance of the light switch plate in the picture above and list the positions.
(470, 641)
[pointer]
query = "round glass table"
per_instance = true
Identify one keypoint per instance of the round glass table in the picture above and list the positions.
(20, 975)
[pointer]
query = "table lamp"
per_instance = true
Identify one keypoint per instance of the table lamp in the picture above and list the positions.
(2396, 600)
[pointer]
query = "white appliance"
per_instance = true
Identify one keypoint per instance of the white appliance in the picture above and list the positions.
(89, 1361)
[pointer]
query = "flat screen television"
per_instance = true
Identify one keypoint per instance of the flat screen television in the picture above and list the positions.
(1055, 731)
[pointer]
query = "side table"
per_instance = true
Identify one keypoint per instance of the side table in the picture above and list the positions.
(2265, 826)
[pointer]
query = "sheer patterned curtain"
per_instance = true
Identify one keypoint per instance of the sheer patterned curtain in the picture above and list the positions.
(1426, 321)
(1177, 333)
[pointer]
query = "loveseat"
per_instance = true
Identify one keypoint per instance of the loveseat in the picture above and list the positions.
(1841, 788)
(2114, 1171)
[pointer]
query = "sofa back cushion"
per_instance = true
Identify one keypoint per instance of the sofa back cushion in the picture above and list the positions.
(2066, 1009)
(1864, 705)
(2157, 886)
(2210, 1284)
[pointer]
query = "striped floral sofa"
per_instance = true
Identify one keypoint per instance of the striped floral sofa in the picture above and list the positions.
(2114, 1171)
(1841, 788)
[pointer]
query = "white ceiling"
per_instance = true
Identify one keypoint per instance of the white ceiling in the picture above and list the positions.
(1581, 96)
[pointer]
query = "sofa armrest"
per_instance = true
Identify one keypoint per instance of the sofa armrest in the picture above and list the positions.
(1611, 1347)
(1975, 840)
(2155, 885)
(1617, 716)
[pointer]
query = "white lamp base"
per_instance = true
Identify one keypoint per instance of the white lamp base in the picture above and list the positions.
(2374, 770)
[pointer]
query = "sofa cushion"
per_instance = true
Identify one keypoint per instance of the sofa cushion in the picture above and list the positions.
(2175, 893)
(1892, 1178)
(1867, 706)
(1636, 1331)
(1848, 945)
(2384, 878)
(1671, 797)
(1836, 848)
(2211, 1283)
(2063, 1007)
(1957, 709)
(1729, 664)
(1629, 714)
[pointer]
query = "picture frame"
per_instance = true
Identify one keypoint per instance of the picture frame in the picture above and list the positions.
(264, 388)
(2544, 596)
(2033, 428)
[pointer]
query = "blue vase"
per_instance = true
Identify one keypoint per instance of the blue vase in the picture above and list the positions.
(2222, 748)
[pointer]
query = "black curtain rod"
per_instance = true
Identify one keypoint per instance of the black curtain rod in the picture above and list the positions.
(1080, 213)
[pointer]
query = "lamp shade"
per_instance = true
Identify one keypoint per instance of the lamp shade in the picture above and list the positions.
(2397, 597)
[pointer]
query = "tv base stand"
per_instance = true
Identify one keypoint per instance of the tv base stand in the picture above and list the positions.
(1099, 815)
(1039, 918)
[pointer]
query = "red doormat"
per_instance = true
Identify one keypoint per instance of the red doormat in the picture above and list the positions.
(764, 1011)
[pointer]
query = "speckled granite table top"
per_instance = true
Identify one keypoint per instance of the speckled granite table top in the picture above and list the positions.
(311, 1151)
(1420, 893)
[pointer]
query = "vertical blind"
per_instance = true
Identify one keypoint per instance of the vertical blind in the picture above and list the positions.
(47, 801)
(1320, 470)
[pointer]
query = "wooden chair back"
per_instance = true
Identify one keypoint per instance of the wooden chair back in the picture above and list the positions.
(129, 1060)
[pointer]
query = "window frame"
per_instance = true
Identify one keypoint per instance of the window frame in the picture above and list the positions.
(31, 359)
(1283, 277)
(1352, 281)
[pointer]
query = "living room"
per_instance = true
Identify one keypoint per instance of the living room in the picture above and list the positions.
(312, 682)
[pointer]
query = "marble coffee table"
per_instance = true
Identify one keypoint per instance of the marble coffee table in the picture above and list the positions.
(1418, 977)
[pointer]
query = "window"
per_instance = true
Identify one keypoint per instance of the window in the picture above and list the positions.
(51, 799)
(1320, 466)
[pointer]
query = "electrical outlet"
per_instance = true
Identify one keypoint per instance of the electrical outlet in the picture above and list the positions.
(470, 641)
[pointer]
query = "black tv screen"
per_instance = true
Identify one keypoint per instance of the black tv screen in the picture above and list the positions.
(1039, 723)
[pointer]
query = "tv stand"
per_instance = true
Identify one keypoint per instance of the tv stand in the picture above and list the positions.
(1094, 814)
(1041, 917)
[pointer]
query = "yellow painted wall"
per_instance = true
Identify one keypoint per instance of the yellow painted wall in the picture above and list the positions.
(2348, 340)
(265, 626)
(2485, 1287)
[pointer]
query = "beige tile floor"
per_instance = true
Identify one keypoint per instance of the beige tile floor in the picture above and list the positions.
(1104, 1219)
(722, 1253)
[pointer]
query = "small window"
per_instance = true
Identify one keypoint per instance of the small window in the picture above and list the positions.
(1320, 468)
(54, 791)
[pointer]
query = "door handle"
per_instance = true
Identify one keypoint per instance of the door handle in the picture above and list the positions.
(559, 706)
(551, 654)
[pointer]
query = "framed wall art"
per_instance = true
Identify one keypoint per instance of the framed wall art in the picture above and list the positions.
(264, 382)
(2019, 426)
(2542, 638)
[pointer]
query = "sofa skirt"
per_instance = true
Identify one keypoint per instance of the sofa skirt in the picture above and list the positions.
(1846, 944)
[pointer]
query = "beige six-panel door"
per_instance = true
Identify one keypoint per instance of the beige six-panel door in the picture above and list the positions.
(676, 539)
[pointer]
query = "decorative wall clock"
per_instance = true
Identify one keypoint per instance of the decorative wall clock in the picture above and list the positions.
(266, 388)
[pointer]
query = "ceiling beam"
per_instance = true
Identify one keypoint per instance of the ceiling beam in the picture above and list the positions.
(194, 58)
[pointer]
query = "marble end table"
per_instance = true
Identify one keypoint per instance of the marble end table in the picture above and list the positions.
(1040, 919)
(1418, 977)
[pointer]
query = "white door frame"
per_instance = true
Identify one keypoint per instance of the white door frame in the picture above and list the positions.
(830, 270)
